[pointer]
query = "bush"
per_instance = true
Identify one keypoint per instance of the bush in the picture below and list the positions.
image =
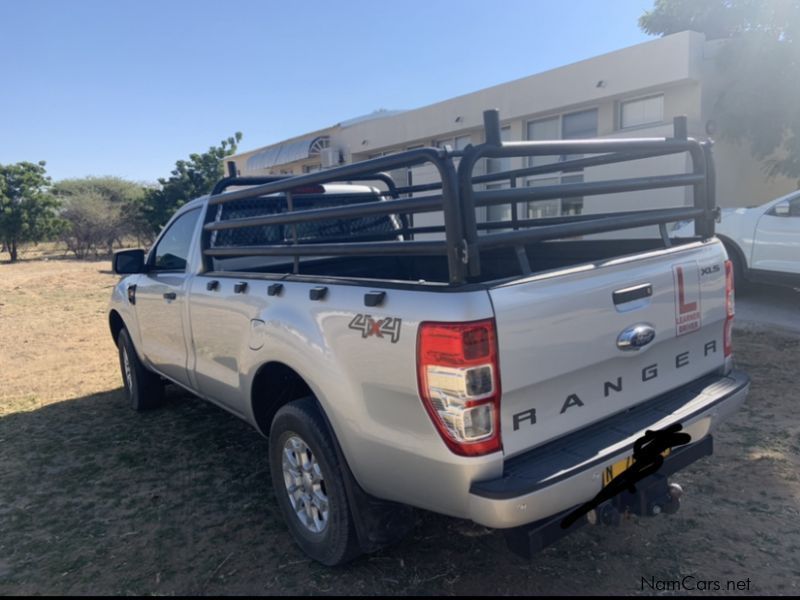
(92, 224)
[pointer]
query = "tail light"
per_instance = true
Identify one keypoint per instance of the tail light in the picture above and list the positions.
(729, 309)
(459, 383)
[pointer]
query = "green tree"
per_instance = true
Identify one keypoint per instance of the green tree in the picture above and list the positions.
(100, 212)
(27, 210)
(189, 179)
(760, 63)
(91, 224)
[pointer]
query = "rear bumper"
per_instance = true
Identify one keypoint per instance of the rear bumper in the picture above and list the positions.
(566, 472)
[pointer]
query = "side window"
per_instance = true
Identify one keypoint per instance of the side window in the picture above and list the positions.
(172, 250)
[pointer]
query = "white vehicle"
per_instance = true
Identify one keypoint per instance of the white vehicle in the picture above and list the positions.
(512, 372)
(763, 242)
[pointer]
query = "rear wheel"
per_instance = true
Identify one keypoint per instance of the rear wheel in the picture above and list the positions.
(309, 484)
(144, 389)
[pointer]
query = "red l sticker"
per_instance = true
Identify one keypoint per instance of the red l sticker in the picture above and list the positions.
(683, 306)
(687, 297)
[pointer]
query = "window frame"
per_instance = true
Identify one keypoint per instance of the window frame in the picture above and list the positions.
(151, 257)
(594, 109)
(621, 105)
(794, 205)
(530, 181)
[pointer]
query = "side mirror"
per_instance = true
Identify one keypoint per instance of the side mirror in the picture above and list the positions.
(128, 262)
(781, 209)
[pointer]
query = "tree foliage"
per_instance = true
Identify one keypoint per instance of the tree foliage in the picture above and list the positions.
(92, 224)
(189, 179)
(760, 65)
(99, 212)
(27, 210)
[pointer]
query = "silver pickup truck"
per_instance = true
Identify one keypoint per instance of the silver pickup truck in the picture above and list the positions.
(502, 371)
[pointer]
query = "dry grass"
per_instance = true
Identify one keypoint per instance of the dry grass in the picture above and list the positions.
(97, 499)
(54, 340)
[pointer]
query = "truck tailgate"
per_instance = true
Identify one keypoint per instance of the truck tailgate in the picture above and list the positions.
(563, 361)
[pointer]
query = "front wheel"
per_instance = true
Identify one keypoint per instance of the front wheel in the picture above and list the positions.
(144, 389)
(309, 484)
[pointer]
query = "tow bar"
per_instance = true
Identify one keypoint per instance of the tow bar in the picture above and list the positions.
(654, 495)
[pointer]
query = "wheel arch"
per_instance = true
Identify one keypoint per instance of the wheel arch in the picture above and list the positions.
(116, 324)
(274, 385)
(734, 249)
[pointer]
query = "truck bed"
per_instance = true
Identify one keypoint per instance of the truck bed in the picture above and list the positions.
(497, 264)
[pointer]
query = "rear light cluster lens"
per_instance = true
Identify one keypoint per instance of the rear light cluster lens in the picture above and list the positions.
(729, 309)
(459, 383)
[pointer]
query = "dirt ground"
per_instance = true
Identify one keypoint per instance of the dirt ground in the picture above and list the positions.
(95, 499)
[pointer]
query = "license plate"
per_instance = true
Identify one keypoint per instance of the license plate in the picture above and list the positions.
(618, 467)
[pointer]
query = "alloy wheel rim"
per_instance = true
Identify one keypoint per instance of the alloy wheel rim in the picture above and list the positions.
(126, 363)
(305, 486)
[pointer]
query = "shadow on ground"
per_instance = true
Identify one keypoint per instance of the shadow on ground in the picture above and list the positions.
(761, 305)
(97, 499)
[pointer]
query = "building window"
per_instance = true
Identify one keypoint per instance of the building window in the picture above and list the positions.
(413, 174)
(642, 111)
(542, 209)
(542, 130)
(555, 207)
(570, 126)
(572, 206)
(579, 125)
(496, 165)
(458, 143)
(500, 212)
(462, 141)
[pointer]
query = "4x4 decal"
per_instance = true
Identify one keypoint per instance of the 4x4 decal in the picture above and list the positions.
(390, 326)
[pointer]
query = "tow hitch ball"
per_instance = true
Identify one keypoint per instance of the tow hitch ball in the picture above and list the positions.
(672, 501)
(658, 497)
(653, 496)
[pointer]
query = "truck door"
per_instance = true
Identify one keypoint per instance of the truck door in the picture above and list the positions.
(777, 239)
(161, 300)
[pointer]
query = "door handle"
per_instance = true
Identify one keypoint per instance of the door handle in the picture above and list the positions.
(632, 293)
(170, 296)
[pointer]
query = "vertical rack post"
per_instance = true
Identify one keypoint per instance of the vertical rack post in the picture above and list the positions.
(290, 206)
(491, 126)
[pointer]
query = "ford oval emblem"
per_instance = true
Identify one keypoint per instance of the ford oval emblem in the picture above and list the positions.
(636, 336)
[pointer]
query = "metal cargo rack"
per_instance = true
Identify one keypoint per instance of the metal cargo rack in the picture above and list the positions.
(456, 196)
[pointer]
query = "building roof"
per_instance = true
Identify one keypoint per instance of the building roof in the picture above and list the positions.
(286, 152)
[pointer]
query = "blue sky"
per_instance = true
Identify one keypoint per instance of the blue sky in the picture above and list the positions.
(127, 87)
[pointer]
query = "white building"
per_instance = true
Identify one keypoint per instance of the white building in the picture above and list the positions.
(633, 92)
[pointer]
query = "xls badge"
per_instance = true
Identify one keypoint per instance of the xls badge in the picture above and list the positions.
(390, 327)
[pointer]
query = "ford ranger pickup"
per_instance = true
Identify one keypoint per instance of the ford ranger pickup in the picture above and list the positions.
(402, 351)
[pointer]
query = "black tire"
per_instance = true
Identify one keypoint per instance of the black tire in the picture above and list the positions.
(336, 541)
(143, 388)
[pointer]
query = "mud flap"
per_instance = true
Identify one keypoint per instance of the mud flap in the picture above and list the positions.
(378, 523)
